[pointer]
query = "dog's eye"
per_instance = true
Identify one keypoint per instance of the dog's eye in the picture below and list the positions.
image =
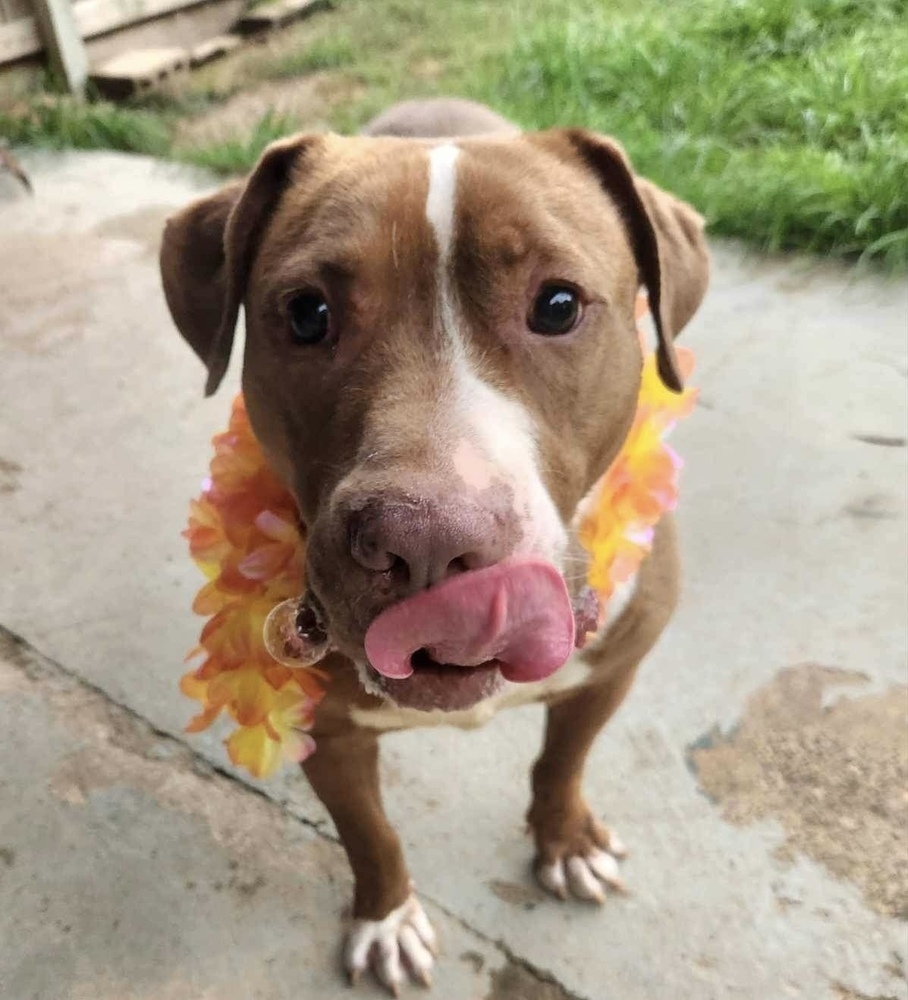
(555, 311)
(310, 318)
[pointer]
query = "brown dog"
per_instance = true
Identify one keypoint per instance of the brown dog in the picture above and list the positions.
(441, 361)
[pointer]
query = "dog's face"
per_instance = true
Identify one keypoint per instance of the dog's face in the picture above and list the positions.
(441, 360)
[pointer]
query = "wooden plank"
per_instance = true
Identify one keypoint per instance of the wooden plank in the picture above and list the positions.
(12, 10)
(65, 49)
(133, 71)
(22, 37)
(268, 16)
(213, 48)
(19, 38)
(95, 17)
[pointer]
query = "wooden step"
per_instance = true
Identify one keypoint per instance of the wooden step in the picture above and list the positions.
(213, 48)
(131, 72)
(277, 13)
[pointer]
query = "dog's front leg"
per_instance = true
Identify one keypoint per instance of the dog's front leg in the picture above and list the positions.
(574, 851)
(390, 930)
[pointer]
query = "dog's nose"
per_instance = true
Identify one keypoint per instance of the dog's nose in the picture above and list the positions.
(420, 543)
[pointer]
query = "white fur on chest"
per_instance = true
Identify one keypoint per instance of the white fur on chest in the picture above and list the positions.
(575, 673)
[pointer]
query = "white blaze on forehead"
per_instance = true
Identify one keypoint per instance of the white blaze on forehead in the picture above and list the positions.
(490, 436)
(441, 199)
(441, 202)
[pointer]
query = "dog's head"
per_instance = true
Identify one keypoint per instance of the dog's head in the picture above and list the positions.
(441, 360)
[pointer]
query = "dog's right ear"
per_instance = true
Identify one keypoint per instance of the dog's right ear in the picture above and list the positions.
(208, 249)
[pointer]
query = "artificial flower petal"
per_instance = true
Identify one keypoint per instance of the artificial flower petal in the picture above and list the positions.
(243, 535)
(253, 748)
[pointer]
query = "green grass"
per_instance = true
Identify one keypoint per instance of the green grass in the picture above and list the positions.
(235, 155)
(784, 121)
(63, 123)
(325, 53)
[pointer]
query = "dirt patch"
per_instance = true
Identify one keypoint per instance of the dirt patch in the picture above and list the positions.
(835, 776)
(9, 475)
(526, 896)
(874, 507)
(845, 993)
(514, 982)
(882, 440)
(474, 959)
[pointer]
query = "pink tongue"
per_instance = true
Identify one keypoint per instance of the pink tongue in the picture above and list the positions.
(517, 612)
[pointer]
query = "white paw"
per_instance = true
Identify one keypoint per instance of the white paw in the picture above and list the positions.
(586, 876)
(400, 946)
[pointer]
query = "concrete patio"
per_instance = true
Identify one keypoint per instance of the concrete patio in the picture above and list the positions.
(758, 771)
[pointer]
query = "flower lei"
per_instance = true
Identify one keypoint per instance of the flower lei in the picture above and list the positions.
(243, 535)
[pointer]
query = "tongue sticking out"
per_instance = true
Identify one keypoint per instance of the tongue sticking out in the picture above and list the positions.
(516, 612)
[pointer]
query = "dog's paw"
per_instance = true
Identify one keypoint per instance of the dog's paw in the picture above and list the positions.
(401, 946)
(584, 871)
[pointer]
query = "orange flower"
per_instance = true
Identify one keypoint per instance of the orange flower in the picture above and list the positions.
(243, 535)
(639, 486)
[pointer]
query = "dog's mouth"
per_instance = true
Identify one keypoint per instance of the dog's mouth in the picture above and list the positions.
(451, 646)
(444, 687)
(456, 643)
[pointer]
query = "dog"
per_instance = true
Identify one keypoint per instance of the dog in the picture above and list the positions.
(441, 360)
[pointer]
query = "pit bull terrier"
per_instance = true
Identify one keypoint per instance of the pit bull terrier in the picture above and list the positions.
(441, 360)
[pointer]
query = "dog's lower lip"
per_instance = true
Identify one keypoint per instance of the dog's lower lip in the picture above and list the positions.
(424, 664)
(421, 661)
(442, 686)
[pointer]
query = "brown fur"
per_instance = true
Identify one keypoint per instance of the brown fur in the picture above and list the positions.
(437, 118)
(348, 216)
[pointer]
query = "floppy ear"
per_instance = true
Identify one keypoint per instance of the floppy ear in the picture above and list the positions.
(193, 267)
(208, 249)
(667, 239)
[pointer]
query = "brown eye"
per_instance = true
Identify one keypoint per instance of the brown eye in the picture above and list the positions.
(310, 318)
(555, 311)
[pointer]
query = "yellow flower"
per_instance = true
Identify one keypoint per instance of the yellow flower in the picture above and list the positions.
(639, 486)
(242, 534)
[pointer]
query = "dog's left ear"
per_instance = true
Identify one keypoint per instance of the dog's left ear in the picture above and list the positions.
(666, 236)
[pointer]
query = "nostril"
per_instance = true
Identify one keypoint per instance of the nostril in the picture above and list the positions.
(399, 570)
(366, 548)
(457, 566)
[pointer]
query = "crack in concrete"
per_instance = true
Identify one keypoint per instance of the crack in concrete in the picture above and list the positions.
(39, 668)
(542, 975)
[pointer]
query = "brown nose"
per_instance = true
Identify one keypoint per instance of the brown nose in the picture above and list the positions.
(420, 543)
